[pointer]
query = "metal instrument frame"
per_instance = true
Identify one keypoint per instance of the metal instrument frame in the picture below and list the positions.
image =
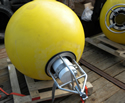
(111, 26)
(77, 89)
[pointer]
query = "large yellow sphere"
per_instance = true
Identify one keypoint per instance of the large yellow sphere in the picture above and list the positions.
(112, 20)
(38, 31)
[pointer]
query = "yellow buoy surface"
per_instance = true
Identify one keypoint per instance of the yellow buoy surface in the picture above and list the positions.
(112, 20)
(38, 31)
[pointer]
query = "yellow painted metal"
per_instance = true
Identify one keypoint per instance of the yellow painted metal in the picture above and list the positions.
(39, 30)
(116, 37)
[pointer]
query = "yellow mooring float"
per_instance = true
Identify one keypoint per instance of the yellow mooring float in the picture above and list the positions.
(43, 39)
(112, 20)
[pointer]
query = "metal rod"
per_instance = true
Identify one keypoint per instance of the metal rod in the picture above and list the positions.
(69, 90)
(71, 81)
(79, 67)
(83, 87)
(103, 74)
